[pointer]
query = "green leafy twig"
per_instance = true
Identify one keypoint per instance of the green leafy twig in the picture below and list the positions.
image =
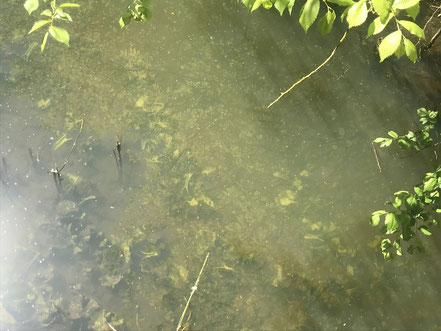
(356, 14)
(54, 13)
(139, 11)
(413, 213)
(419, 139)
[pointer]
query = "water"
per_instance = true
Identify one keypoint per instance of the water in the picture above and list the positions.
(280, 198)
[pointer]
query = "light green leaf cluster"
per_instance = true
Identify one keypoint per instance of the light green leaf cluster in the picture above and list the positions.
(356, 14)
(417, 140)
(139, 11)
(55, 12)
(413, 212)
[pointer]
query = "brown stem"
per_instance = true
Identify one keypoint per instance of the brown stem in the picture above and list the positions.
(311, 73)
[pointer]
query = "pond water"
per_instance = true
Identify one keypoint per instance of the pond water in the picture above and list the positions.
(279, 197)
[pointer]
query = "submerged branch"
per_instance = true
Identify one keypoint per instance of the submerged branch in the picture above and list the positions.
(193, 289)
(376, 156)
(311, 73)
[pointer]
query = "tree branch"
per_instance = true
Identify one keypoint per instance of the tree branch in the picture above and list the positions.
(311, 73)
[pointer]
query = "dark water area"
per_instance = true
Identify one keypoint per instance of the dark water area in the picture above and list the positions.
(279, 197)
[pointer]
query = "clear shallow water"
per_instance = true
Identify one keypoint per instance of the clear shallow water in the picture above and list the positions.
(280, 198)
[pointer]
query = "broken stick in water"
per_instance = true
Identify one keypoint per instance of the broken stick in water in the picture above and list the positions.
(193, 289)
(118, 157)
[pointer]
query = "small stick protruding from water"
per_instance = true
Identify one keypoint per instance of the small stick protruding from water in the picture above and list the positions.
(118, 157)
(193, 289)
(376, 156)
(57, 179)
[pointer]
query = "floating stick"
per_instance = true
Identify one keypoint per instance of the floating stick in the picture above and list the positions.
(376, 157)
(193, 289)
(311, 73)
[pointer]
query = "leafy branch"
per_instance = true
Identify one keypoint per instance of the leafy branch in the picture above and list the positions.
(413, 212)
(54, 13)
(417, 140)
(139, 11)
(356, 13)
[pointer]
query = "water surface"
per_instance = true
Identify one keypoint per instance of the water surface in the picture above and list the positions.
(281, 198)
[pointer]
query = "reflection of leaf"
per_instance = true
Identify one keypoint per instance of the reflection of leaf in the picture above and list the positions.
(61, 141)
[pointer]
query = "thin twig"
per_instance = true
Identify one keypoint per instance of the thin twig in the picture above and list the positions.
(193, 289)
(110, 326)
(73, 146)
(376, 156)
(430, 44)
(311, 73)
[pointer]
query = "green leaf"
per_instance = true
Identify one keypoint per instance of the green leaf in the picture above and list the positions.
(31, 5)
(418, 191)
(385, 244)
(281, 5)
(382, 7)
(377, 25)
(397, 245)
(267, 4)
(343, 3)
(256, 5)
(411, 51)
(412, 202)
(38, 25)
(404, 4)
(436, 223)
(391, 223)
(425, 230)
(413, 11)
(430, 185)
(389, 45)
(422, 112)
(46, 12)
(399, 53)
(325, 24)
(402, 142)
(59, 34)
(43, 43)
(357, 14)
(412, 28)
(309, 13)
(375, 219)
(379, 140)
(386, 143)
(69, 4)
(125, 18)
(393, 134)
(62, 15)
(290, 5)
